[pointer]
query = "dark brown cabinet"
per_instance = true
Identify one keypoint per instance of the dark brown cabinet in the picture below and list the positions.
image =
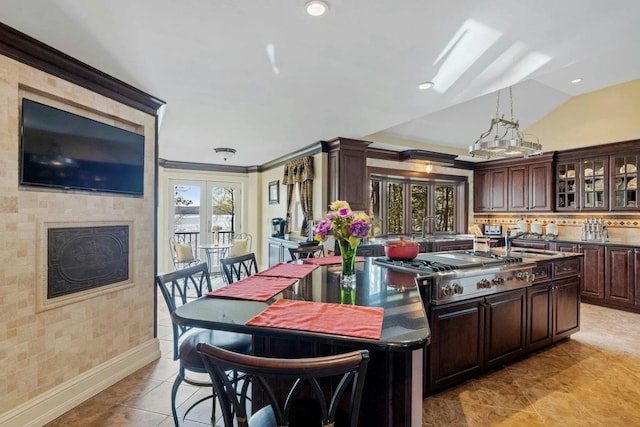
(472, 336)
(601, 178)
(539, 321)
(530, 187)
(594, 184)
(451, 246)
(620, 269)
(582, 182)
(456, 350)
(624, 181)
(514, 185)
(490, 190)
(347, 172)
(504, 337)
(523, 243)
(553, 304)
(567, 193)
(593, 277)
(566, 307)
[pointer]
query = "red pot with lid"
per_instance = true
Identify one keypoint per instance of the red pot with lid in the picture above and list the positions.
(401, 249)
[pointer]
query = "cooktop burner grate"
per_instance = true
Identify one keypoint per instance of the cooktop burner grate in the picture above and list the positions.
(419, 264)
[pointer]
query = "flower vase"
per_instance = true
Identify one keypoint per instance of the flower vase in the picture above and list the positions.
(348, 275)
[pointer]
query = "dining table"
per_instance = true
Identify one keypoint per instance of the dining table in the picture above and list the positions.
(311, 314)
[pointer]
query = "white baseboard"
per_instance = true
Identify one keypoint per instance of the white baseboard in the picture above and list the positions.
(55, 402)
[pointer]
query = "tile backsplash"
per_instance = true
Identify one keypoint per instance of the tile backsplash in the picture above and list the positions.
(622, 228)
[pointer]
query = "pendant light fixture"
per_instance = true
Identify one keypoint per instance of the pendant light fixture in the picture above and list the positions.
(507, 141)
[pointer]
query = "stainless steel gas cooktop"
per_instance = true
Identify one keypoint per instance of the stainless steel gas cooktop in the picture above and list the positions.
(459, 275)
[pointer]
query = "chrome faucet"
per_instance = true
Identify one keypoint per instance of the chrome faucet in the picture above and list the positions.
(427, 222)
(509, 238)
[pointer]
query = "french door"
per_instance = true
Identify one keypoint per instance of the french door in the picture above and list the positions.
(199, 210)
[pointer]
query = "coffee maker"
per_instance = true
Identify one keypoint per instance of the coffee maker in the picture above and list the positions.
(277, 227)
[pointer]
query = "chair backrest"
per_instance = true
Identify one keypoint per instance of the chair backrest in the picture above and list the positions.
(241, 244)
(345, 373)
(239, 267)
(181, 253)
(175, 287)
(306, 252)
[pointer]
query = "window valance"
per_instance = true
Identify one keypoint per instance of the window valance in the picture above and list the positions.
(299, 170)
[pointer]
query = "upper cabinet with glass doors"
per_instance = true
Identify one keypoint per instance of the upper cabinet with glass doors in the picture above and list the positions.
(595, 180)
(599, 178)
(624, 181)
(582, 184)
(566, 186)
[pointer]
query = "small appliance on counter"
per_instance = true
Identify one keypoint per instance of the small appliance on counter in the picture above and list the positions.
(277, 227)
(492, 230)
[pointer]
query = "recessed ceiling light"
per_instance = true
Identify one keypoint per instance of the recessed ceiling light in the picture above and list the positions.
(316, 8)
(578, 80)
(425, 85)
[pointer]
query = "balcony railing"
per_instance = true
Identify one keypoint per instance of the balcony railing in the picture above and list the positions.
(193, 239)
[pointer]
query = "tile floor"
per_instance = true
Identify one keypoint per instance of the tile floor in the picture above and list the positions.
(591, 379)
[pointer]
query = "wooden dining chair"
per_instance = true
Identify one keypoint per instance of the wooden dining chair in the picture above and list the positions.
(238, 267)
(306, 252)
(185, 338)
(305, 401)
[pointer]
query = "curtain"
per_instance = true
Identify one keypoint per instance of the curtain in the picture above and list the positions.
(305, 190)
(299, 171)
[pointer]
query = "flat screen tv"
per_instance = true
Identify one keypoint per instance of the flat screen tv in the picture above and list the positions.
(63, 150)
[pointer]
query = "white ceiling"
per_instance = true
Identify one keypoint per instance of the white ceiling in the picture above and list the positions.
(264, 78)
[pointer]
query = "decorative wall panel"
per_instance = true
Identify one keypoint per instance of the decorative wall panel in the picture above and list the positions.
(82, 258)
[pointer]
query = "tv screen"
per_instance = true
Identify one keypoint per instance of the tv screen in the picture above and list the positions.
(63, 150)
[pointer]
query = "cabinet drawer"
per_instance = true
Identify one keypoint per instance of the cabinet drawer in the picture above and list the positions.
(566, 268)
(529, 244)
(542, 273)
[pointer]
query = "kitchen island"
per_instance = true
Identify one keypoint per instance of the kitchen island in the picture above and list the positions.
(393, 389)
(486, 309)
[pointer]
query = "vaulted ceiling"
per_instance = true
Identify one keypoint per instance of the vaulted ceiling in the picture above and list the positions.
(265, 78)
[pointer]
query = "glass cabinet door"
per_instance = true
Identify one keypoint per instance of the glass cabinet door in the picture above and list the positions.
(595, 183)
(566, 194)
(625, 178)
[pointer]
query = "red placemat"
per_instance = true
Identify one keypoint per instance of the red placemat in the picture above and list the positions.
(297, 271)
(254, 288)
(328, 260)
(349, 320)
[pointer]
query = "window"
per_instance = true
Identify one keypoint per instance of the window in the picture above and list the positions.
(415, 206)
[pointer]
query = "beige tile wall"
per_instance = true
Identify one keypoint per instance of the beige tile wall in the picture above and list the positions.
(40, 350)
